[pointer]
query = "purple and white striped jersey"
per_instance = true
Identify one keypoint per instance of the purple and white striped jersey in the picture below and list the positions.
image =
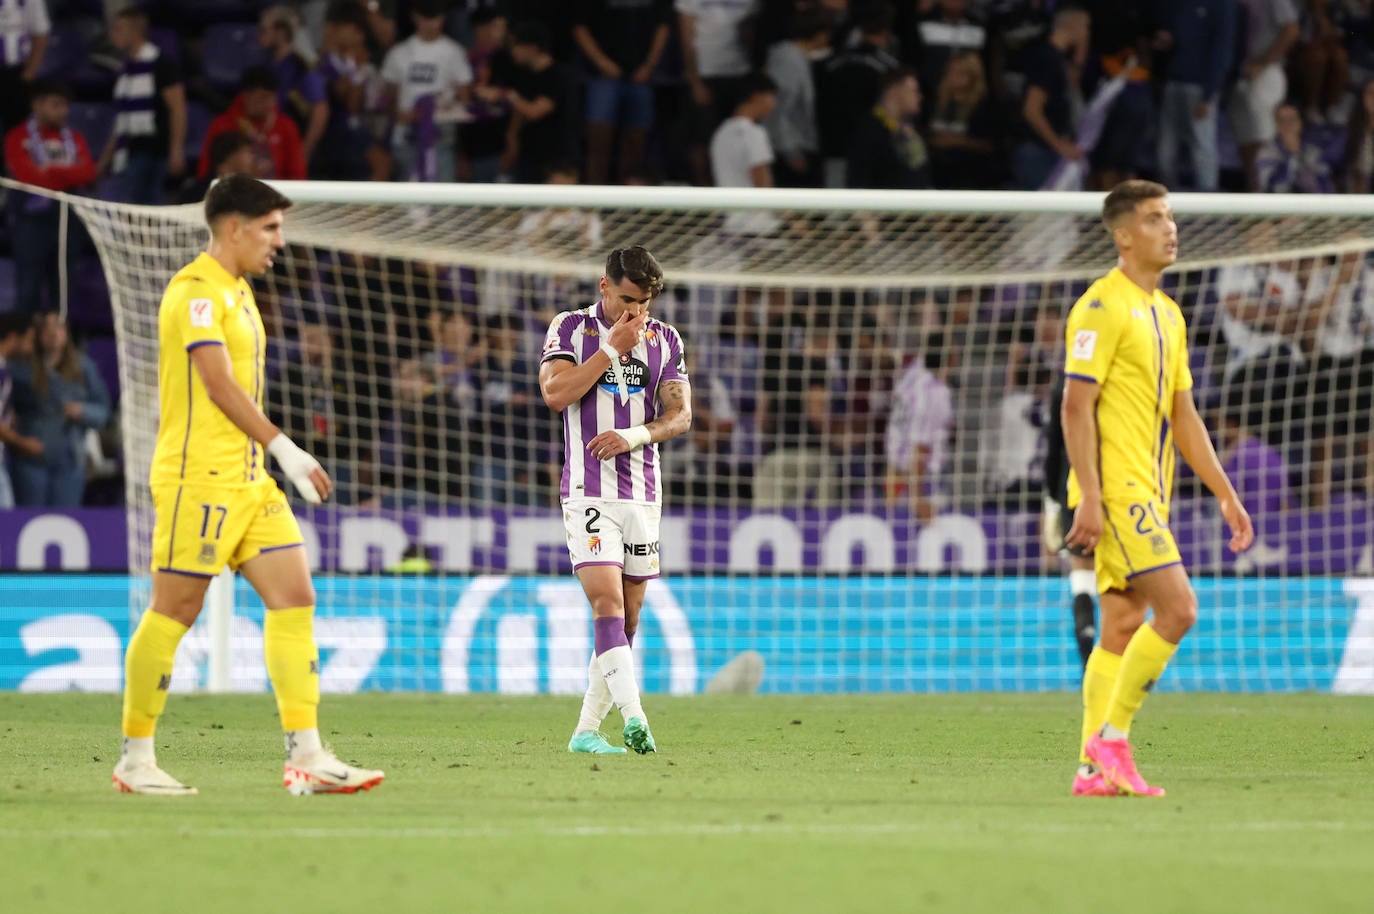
(655, 360)
(20, 21)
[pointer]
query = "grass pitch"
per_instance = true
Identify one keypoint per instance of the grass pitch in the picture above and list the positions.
(758, 804)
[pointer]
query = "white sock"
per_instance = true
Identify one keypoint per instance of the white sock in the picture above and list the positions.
(1110, 732)
(618, 671)
(302, 744)
(137, 750)
(596, 704)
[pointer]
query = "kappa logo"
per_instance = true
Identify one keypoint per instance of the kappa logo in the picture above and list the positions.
(202, 312)
(590, 331)
(164, 682)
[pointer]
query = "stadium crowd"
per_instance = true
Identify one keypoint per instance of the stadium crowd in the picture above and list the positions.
(148, 103)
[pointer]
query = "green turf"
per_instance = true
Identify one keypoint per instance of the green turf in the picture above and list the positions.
(762, 804)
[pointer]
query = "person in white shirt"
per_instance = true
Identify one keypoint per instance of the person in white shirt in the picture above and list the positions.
(1260, 306)
(742, 156)
(426, 66)
(918, 432)
(715, 58)
(24, 28)
(792, 126)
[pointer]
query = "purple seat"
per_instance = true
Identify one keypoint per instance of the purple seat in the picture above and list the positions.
(198, 119)
(94, 121)
(231, 48)
(66, 54)
(167, 41)
(102, 351)
(88, 302)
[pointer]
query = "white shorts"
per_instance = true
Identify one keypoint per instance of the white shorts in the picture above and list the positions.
(620, 533)
(1253, 103)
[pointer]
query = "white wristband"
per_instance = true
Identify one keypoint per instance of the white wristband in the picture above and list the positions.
(616, 370)
(635, 436)
(297, 465)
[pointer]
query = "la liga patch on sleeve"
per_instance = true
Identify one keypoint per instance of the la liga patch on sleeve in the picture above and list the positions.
(1084, 342)
(202, 312)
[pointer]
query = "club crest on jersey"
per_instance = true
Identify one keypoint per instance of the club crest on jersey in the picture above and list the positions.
(651, 336)
(202, 312)
(594, 545)
(207, 554)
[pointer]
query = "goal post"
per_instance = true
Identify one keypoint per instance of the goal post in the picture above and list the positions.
(406, 322)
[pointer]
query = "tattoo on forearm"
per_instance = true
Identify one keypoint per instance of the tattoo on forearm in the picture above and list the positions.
(677, 412)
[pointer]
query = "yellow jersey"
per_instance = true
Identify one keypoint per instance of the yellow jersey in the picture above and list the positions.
(1134, 346)
(196, 442)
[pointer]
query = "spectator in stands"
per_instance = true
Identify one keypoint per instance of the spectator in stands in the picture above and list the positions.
(1200, 34)
(47, 153)
(741, 155)
(553, 232)
(792, 128)
(622, 41)
(1339, 320)
(537, 135)
(324, 404)
(16, 342)
(1255, 468)
(148, 142)
(482, 141)
(425, 74)
(24, 28)
(918, 432)
(945, 32)
(1271, 27)
(350, 150)
(886, 150)
(58, 396)
(440, 409)
(1013, 27)
(1287, 165)
(230, 153)
(1047, 107)
(963, 129)
(277, 148)
(1017, 453)
(1358, 160)
(1320, 65)
(506, 471)
(1122, 40)
(301, 94)
(795, 411)
(847, 87)
(715, 58)
(705, 450)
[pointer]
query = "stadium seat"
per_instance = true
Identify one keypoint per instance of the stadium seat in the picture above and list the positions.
(88, 304)
(198, 119)
(231, 48)
(167, 41)
(66, 54)
(94, 121)
(7, 299)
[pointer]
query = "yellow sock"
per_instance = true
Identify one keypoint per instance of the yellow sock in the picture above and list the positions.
(1142, 663)
(293, 663)
(1098, 681)
(148, 671)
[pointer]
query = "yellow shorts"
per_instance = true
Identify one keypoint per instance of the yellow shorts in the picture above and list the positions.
(201, 528)
(1137, 539)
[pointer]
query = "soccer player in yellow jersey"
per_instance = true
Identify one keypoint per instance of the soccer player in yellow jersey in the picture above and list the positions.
(215, 503)
(1128, 400)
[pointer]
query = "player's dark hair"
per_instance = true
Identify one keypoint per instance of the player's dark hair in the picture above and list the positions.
(878, 19)
(1123, 199)
(225, 145)
(240, 195)
(14, 323)
(347, 12)
(135, 16)
(636, 264)
(43, 88)
(893, 78)
(532, 32)
(756, 84)
(259, 78)
(808, 22)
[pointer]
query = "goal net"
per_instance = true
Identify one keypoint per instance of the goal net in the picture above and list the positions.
(858, 505)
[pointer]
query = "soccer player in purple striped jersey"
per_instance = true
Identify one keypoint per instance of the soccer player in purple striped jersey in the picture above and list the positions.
(619, 377)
